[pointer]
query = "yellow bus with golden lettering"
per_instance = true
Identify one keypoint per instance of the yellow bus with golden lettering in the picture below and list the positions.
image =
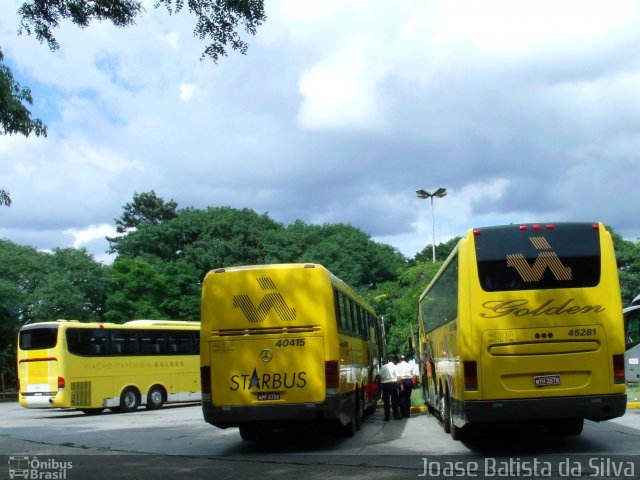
(285, 344)
(93, 366)
(524, 323)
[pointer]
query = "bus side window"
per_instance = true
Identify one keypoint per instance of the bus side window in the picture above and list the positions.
(632, 320)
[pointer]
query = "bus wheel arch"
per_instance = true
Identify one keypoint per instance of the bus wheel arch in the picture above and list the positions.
(156, 396)
(129, 399)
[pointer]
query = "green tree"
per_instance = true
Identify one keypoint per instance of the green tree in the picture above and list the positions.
(397, 302)
(15, 117)
(21, 272)
(628, 259)
(5, 199)
(38, 286)
(145, 209)
(75, 287)
(216, 20)
(137, 291)
(443, 250)
(346, 251)
(205, 239)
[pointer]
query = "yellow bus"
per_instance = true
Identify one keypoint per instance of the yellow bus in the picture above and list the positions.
(93, 366)
(284, 344)
(524, 323)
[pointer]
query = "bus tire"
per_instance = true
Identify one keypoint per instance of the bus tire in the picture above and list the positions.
(349, 429)
(445, 413)
(359, 409)
(565, 426)
(92, 411)
(129, 400)
(251, 433)
(155, 397)
(456, 432)
(248, 433)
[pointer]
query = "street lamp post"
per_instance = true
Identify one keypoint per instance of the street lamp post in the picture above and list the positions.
(440, 192)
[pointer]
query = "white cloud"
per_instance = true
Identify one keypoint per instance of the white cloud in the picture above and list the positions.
(340, 110)
(93, 232)
(186, 91)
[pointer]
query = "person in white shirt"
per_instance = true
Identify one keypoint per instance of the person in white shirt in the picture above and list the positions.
(408, 379)
(390, 380)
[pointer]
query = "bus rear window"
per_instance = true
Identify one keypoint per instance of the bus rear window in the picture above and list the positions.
(566, 255)
(39, 338)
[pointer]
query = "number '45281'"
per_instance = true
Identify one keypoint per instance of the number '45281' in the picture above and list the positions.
(582, 332)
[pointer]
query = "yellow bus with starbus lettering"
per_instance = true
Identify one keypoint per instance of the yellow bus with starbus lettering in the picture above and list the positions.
(524, 323)
(93, 366)
(286, 344)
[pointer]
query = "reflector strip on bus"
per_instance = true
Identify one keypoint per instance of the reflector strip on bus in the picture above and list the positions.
(41, 359)
(266, 331)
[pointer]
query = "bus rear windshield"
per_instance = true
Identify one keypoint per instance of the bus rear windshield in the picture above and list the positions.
(38, 338)
(566, 255)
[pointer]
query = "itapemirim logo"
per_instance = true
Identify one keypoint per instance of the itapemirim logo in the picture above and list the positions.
(547, 259)
(21, 466)
(273, 299)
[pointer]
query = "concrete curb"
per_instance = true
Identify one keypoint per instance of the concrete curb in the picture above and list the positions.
(630, 406)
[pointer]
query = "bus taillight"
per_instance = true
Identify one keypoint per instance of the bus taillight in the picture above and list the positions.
(61, 383)
(332, 374)
(618, 369)
(470, 376)
(205, 380)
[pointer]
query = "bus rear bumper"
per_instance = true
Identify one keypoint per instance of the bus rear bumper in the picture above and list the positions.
(333, 408)
(597, 408)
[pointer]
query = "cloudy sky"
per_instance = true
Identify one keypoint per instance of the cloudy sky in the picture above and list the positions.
(339, 112)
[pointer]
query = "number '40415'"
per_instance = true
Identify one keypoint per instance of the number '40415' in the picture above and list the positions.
(290, 342)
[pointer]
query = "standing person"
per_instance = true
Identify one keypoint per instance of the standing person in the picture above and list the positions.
(390, 380)
(408, 379)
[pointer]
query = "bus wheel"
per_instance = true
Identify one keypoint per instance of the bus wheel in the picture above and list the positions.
(129, 400)
(565, 426)
(348, 430)
(92, 411)
(251, 433)
(248, 433)
(457, 433)
(359, 413)
(155, 398)
(445, 413)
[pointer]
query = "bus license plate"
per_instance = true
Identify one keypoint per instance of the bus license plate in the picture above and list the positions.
(546, 380)
(269, 396)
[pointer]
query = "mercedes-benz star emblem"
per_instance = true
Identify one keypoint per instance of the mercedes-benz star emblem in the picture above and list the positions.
(266, 355)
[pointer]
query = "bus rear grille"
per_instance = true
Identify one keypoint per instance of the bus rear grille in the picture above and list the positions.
(80, 394)
(266, 331)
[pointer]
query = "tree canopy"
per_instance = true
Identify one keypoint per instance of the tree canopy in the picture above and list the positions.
(15, 117)
(163, 253)
(217, 21)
